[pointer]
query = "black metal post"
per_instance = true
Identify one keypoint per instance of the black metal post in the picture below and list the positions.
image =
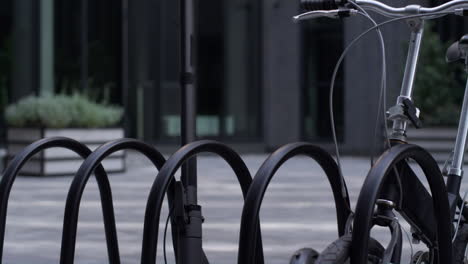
(188, 39)
(124, 61)
(84, 45)
(189, 242)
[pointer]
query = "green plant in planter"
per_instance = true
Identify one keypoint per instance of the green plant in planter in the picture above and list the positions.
(62, 111)
(438, 89)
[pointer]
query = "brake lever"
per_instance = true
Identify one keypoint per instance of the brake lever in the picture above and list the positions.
(336, 13)
(461, 12)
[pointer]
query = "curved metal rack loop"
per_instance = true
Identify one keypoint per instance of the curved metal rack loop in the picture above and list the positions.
(164, 178)
(79, 183)
(373, 185)
(20, 160)
(253, 202)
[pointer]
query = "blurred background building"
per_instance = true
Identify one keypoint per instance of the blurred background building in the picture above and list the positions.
(263, 80)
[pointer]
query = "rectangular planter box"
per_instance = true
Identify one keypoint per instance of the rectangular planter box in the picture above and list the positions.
(60, 161)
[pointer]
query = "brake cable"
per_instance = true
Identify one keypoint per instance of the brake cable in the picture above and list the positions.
(340, 60)
(363, 13)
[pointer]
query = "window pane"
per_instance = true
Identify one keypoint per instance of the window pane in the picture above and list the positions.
(322, 47)
(228, 91)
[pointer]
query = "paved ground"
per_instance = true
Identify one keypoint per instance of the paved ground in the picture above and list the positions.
(298, 211)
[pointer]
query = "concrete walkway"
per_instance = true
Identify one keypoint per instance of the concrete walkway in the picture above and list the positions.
(298, 211)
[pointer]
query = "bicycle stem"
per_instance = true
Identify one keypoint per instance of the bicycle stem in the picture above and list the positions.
(400, 121)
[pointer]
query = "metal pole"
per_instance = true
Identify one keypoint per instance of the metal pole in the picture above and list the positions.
(124, 60)
(188, 41)
(84, 45)
(189, 245)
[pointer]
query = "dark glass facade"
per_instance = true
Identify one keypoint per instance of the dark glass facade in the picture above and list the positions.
(103, 47)
(228, 62)
(321, 47)
(262, 79)
(228, 59)
(6, 21)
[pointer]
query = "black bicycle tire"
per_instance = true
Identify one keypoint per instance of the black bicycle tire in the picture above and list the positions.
(338, 252)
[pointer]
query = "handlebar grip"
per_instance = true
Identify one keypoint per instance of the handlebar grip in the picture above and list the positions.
(313, 5)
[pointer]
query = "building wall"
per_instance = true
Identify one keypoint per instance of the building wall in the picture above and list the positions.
(362, 81)
(25, 49)
(281, 86)
(144, 24)
(259, 79)
(362, 75)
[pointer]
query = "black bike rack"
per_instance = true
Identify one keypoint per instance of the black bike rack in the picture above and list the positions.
(184, 211)
(187, 244)
(250, 213)
(424, 215)
(187, 238)
(91, 164)
(20, 160)
(78, 185)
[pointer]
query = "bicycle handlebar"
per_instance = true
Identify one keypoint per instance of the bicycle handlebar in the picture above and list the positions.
(383, 9)
(389, 11)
